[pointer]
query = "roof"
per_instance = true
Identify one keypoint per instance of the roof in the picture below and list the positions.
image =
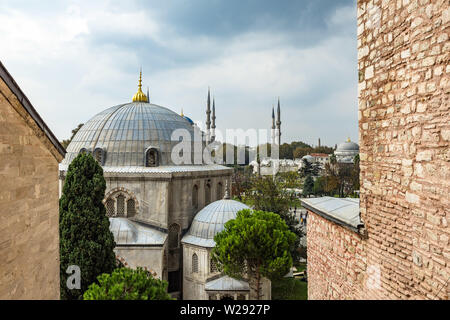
(14, 87)
(227, 283)
(347, 146)
(127, 130)
(160, 169)
(324, 155)
(344, 211)
(130, 233)
(211, 220)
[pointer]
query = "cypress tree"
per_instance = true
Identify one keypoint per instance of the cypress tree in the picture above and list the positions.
(85, 238)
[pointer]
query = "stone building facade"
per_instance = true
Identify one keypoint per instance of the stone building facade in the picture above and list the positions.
(151, 198)
(404, 133)
(29, 210)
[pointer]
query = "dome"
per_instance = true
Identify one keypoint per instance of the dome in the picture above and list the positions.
(308, 158)
(348, 146)
(211, 220)
(124, 133)
(189, 119)
(127, 232)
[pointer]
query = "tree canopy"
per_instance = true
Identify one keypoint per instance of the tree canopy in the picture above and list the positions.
(85, 238)
(255, 245)
(270, 195)
(128, 284)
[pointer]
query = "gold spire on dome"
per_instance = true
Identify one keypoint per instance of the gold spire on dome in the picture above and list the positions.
(140, 96)
(348, 140)
(181, 114)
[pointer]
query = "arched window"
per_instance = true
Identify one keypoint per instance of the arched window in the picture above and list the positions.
(174, 230)
(194, 263)
(151, 157)
(131, 208)
(110, 211)
(195, 197)
(219, 191)
(207, 194)
(99, 155)
(212, 266)
(83, 150)
(120, 205)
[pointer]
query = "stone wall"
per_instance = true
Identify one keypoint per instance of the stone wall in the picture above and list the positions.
(404, 133)
(29, 214)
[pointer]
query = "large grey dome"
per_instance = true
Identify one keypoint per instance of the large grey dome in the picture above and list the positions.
(211, 220)
(124, 132)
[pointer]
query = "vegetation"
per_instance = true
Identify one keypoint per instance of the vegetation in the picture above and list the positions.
(254, 246)
(270, 195)
(65, 143)
(308, 186)
(340, 179)
(241, 181)
(127, 284)
(289, 289)
(85, 238)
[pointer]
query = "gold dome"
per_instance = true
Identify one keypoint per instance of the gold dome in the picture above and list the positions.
(140, 96)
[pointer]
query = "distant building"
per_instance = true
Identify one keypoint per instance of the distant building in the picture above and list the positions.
(269, 166)
(346, 151)
(29, 207)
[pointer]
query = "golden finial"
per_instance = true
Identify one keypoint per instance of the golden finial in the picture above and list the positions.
(348, 140)
(181, 114)
(140, 96)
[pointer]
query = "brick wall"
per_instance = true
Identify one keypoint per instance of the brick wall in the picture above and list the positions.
(29, 214)
(404, 133)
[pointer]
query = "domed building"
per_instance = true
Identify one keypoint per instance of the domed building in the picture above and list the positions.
(150, 199)
(346, 151)
(201, 279)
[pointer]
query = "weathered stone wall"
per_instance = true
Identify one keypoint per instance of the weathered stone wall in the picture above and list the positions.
(145, 257)
(29, 214)
(404, 133)
(336, 261)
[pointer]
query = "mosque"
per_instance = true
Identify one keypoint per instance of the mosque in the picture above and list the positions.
(163, 215)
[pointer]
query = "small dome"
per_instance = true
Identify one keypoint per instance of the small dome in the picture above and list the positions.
(211, 220)
(127, 232)
(308, 158)
(348, 146)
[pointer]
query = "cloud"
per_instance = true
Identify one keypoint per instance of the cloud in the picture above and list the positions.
(74, 59)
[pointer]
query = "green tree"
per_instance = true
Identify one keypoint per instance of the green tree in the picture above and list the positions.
(270, 195)
(254, 246)
(355, 173)
(319, 186)
(300, 152)
(306, 169)
(127, 284)
(85, 238)
(308, 186)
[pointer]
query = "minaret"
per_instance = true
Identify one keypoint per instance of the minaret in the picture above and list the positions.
(213, 127)
(319, 142)
(208, 119)
(278, 123)
(273, 126)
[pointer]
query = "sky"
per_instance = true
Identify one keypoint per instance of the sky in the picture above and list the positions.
(74, 59)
